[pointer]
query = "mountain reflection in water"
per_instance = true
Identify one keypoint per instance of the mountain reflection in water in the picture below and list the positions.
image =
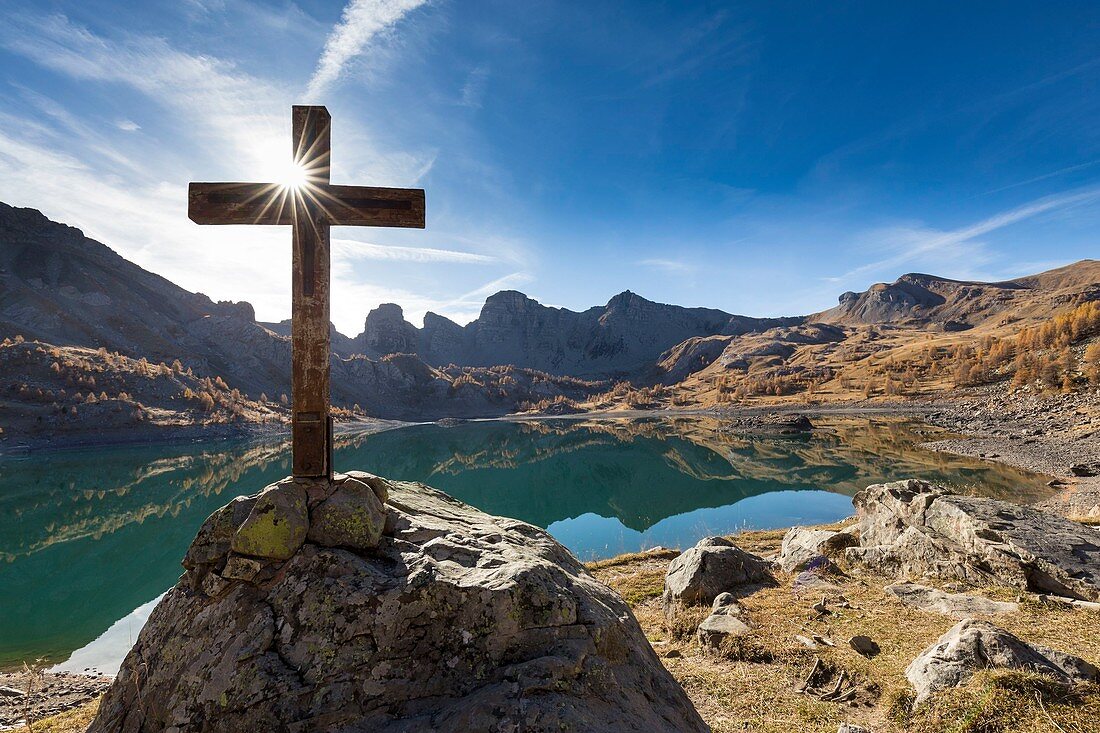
(87, 537)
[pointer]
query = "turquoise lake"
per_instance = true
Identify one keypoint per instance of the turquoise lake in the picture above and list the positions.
(90, 539)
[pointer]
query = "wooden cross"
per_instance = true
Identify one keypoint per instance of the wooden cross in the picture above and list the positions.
(311, 207)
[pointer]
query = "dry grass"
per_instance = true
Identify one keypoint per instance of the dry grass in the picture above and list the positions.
(76, 720)
(736, 690)
(1005, 700)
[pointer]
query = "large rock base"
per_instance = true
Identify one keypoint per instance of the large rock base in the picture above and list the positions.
(454, 621)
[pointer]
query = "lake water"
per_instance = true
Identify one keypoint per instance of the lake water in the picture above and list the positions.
(90, 539)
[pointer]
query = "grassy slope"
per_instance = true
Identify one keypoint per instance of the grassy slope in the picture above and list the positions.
(738, 692)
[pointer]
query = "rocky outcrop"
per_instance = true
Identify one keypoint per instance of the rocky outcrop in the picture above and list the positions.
(957, 605)
(802, 545)
(448, 620)
(386, 331)
(973, 645)
(714, 566)
(914, 528)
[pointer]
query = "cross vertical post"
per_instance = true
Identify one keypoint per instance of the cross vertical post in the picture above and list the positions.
(310, 337)
(310, 206)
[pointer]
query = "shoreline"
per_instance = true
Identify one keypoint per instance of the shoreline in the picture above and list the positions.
(984, 424)
(191, 435)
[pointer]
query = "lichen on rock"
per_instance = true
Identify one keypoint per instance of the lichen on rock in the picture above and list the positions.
(351, 516)
(277, 525)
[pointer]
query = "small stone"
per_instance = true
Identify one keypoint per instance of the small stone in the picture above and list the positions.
(718, 627)
(277, 525)
(722, 600)
(213, 585)
(852, 728)
(864, 645)
(673, 654)
(805, 641)
(216, 534)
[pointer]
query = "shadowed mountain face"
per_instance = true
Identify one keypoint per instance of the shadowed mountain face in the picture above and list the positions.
(60, 287)
(624, 337)
(66, 289)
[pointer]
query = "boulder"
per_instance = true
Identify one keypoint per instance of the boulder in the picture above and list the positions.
(351, 516)
(451, 620)
(956, 605)
(802, 545)
(713, 566)
(972, 645)
(913, 528)
(718, 627)
(784, 424)
(277, 524)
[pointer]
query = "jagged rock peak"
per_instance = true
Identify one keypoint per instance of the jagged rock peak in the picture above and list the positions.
(385, 331)
(387, 311)
(512, 300)
(627, 298)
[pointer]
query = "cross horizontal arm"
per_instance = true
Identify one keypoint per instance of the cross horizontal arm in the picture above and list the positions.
(369, 206)
(269, 203)
(239, 203)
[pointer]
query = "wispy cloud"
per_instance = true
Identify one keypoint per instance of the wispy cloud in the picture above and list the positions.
(1046, 176)
(912, 243)
(356, 250)
(668, 266)
(360, 23)
(473, 90)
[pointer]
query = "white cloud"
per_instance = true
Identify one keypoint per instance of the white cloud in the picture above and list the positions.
(127, 125)
(668, 266)
(922, 244)
(355, 250)
(360, 23)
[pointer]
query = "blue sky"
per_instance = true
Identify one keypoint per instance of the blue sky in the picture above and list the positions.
(759, 157)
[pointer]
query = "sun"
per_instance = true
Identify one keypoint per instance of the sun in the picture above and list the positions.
(294, 176)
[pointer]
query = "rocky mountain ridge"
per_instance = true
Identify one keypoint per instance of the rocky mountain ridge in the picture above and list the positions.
(623, 337)
(67, 291)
